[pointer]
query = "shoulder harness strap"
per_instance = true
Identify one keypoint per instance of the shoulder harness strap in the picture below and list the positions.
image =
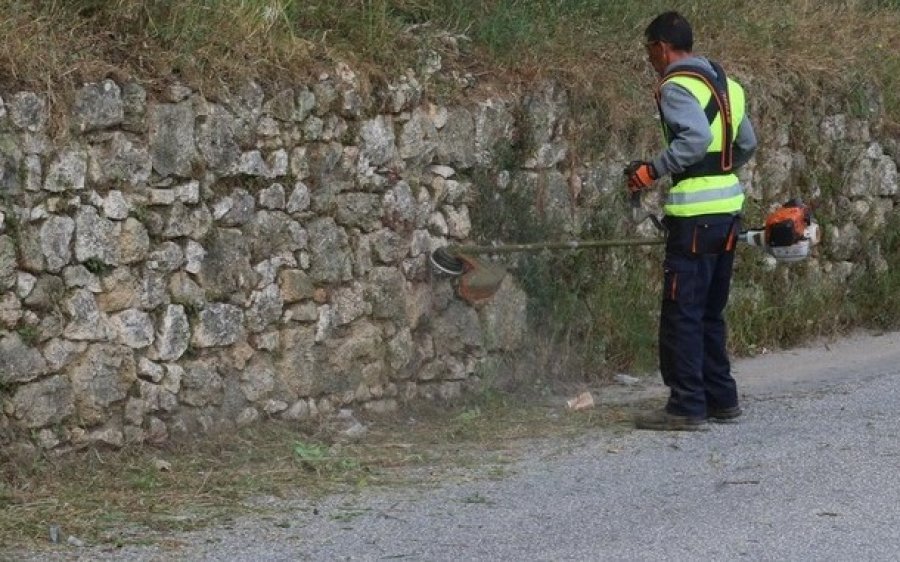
(719, 103)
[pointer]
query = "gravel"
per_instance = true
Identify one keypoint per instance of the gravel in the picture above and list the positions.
(810, 472)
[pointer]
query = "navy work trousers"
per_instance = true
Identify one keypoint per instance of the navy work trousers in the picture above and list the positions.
(692, 332)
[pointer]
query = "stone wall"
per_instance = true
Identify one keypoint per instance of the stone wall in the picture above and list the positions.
(179, 264)
(175, 264)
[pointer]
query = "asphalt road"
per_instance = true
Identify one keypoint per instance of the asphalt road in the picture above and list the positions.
(809, 473)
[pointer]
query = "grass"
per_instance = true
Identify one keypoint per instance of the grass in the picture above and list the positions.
(793, 304)
(601, 310)
(106, 496)
(142, 494)
(598, 311)
(97, 266)
(593, 46)
(873, 297)
(30, 334)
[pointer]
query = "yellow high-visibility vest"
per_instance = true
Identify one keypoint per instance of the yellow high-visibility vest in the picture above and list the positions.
(710, 187)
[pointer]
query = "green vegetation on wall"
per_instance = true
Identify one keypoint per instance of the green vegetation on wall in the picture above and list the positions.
(873, 297)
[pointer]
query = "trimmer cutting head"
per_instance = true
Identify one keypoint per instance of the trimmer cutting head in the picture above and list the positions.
(478, 279)
(445, 262)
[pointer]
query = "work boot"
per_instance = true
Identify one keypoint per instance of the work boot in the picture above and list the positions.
(724, 415)
(661, 420)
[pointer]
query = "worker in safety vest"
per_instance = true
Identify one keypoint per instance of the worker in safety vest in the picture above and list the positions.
(708, 138)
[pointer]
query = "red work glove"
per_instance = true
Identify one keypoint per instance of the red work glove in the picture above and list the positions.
(640, 175)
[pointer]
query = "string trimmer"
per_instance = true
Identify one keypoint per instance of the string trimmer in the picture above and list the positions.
(789, 235)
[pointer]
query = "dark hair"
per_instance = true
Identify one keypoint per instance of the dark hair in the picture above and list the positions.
(671, 28)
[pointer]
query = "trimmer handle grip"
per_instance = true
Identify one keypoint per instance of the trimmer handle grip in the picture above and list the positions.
(635, 199)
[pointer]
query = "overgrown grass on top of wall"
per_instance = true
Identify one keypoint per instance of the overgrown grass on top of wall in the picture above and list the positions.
(595, 46)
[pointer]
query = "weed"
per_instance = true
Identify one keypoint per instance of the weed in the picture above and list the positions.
(345, 515)
(310, 452)
(145, 478)
(469, 415)
(192, 352)
(478, 499)
(781, 308)
(861, 101)
(30, 334)
(318, 458)
(872, 297)
(508, 216)
(97, 266)
(139, 212)
(192, 308)
(11, 223)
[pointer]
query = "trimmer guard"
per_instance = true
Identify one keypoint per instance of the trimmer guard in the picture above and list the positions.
(480, 279)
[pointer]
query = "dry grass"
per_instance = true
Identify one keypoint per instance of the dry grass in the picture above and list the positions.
(125, 497)
(594, 46)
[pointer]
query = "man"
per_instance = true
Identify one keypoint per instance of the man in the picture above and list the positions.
(709, 137)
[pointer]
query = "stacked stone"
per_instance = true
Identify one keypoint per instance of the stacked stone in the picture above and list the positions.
(182, 264)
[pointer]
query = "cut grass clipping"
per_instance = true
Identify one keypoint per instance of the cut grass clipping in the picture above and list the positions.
(143, 495)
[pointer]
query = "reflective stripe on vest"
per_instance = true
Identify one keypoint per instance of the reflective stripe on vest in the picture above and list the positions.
(709, 194)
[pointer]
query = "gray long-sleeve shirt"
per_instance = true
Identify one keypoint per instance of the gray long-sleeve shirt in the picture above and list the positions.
(690, 127)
